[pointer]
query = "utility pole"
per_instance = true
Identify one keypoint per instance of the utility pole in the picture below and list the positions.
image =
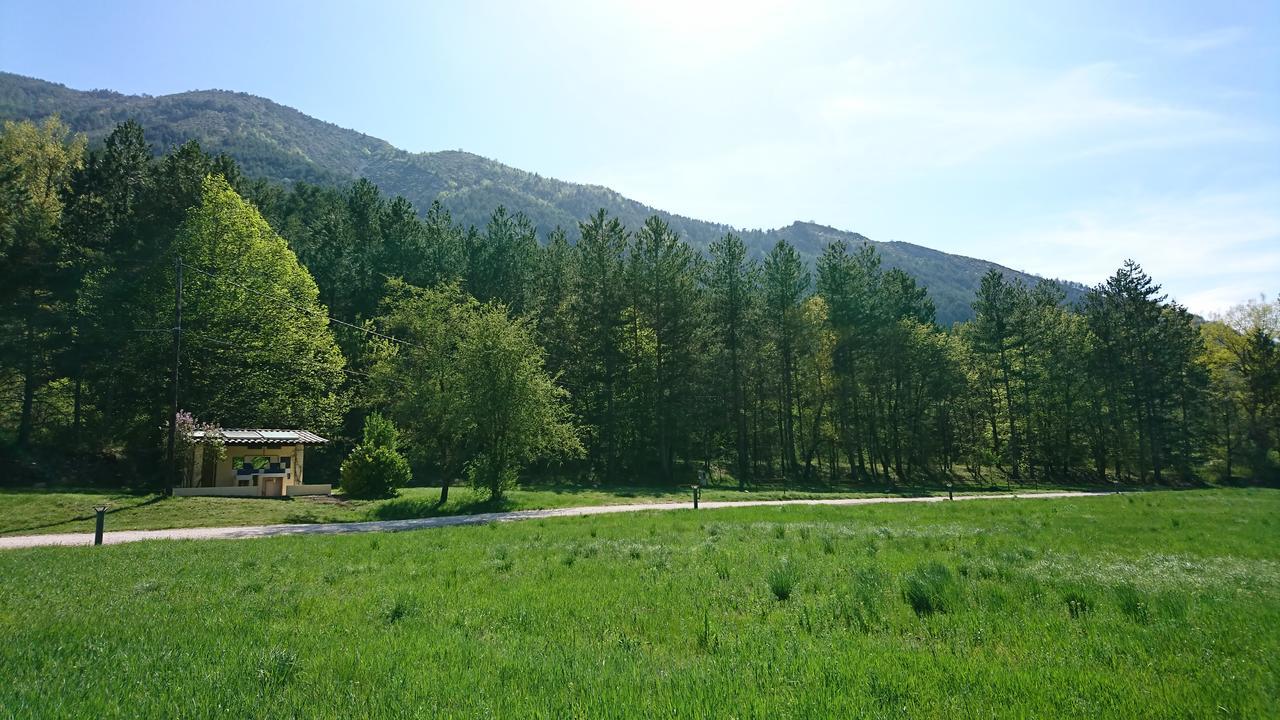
(177, 360)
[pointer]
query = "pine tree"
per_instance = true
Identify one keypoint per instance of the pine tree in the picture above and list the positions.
(501, 263)
(596, 378)
(785, 283)
(732, 286)
(995, 344)
(555, 279)
(663, 276)
(37, 290)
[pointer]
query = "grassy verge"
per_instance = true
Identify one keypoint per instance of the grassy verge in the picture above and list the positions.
(1122, 606)
(33, 512)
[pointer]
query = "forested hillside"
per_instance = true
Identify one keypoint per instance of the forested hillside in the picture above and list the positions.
(274, 142)
(627, 356)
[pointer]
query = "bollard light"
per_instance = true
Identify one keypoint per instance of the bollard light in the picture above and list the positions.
(101, 510)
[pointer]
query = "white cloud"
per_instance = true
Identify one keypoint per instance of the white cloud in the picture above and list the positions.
(918, 116)
(1193, 44)
(943, 114)
(1209, 251)
(905, 127)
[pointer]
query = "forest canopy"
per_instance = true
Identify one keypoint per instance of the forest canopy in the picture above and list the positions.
(625, 356)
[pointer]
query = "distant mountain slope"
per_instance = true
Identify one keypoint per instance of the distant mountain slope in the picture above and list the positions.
(276, 142)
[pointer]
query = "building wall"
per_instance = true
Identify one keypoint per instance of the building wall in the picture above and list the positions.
(289, 491)
(217, 491)
(226, 476)
(226, 479)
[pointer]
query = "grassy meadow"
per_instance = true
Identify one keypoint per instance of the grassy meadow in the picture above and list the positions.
(1138, 605)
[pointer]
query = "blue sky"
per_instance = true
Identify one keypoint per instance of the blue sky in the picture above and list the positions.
(1054, 139)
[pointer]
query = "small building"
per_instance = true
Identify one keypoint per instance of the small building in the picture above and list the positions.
(254, 463)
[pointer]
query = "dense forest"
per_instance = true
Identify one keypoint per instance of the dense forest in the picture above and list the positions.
(274, 142)
(609, 353)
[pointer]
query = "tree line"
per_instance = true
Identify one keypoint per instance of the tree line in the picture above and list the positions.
(624, 357)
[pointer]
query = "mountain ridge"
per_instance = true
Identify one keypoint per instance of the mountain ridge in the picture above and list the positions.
(283, 144)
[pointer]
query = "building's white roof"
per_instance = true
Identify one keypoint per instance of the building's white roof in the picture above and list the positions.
(257, 436)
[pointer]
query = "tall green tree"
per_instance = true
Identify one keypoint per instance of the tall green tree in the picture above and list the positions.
(556, 278)
(37, 290)
(785, 283)
(1143, 355)
(416, 379)
(516, 411)
(597, 377)
(996, 344)
(469, 385)
(444, 257)
(501, 263)
(663, 275)
(732, 289)
(1259, 364)
(102, 220)
(256, 347)
(1223, 351)
(849, 282)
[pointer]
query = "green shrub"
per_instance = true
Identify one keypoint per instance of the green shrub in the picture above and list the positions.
(375, 468)
(371, 472)
(931, 588)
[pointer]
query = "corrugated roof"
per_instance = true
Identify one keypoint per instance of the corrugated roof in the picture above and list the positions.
(261, 436)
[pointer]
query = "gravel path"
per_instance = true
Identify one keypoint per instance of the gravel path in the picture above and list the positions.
(260, 531)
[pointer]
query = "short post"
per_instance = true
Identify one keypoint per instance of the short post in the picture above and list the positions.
(102, 517)
(697, 491)
(950, 491)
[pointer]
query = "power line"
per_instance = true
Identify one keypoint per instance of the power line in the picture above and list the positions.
(301, 308)
(294, 358)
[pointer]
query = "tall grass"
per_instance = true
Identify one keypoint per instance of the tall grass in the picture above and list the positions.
(782, 579)
(931, 588)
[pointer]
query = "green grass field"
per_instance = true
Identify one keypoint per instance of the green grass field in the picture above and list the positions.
(1140, 605)
(33, 512)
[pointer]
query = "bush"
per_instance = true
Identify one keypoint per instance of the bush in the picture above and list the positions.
(374, 472)
(931, 588)
(375, 468)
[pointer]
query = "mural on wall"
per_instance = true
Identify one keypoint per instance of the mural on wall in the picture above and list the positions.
(260, 464)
